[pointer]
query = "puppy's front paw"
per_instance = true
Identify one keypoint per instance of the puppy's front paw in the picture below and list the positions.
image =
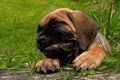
(87, 61)
(47, 65)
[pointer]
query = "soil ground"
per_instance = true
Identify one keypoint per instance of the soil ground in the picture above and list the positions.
(23, 75)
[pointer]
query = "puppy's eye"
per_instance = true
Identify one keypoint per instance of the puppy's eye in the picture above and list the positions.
(55, 22)
(39, 28)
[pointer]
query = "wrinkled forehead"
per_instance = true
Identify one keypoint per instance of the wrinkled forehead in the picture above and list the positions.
(58, 13)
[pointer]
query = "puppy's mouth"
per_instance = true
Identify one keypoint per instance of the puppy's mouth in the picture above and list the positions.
(59, 49)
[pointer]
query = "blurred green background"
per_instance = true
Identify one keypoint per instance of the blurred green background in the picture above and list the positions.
(19, 20)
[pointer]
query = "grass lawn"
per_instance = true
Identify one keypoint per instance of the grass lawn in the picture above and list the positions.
(19, 20)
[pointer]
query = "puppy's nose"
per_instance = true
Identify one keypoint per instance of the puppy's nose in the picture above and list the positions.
(42, 40)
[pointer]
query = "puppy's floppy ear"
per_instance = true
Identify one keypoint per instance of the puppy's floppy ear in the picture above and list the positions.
(86, 28)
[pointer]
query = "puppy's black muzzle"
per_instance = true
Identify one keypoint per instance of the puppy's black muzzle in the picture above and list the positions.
(53, 35)
(42, 40)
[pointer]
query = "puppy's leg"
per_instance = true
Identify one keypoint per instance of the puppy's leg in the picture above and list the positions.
(89, 59)
(47, 65)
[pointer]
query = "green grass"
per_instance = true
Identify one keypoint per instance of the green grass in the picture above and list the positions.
(19, 20)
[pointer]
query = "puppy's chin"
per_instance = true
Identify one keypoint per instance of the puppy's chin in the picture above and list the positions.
(54, 51)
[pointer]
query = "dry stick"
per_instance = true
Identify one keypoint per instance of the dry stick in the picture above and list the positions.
(109, 18)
